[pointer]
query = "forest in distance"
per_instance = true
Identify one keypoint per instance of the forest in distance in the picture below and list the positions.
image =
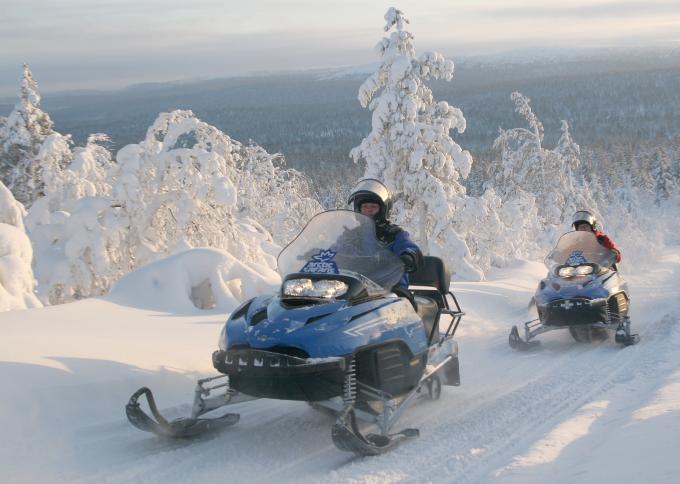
(615, 101)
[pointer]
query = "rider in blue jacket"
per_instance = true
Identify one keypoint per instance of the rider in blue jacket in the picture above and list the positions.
(371, 197)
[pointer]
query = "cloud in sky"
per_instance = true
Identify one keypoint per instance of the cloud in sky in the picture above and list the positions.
(107, 43)
(587, 10)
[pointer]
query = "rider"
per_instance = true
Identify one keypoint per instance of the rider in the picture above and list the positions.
(371, 197)
(585, 221)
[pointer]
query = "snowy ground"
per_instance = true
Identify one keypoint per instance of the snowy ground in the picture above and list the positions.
(567, 412)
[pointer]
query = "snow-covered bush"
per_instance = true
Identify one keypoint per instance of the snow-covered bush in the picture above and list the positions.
(185, 185)
(190, 185)
(280, 199)
(16, 277)
(74, 226)
(410, 149)
(501, 232)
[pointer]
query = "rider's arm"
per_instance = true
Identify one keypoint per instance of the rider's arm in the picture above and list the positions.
(609, 244)
(409, 252)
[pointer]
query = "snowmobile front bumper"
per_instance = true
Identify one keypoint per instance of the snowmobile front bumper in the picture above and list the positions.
(574, 311)
(267, 374)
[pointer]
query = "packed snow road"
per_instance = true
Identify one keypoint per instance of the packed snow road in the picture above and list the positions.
(565, 412)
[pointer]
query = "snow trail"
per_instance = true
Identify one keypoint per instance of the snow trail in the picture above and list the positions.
(554, 414)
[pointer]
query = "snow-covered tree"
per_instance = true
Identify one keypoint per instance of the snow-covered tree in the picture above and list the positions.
(177, 189)
(16, 276)
(22, 136)
(665, 184)
(410, 148)
(521, 164)
(281, 199)
(553, 177)
(185, 185)
(75, 230)
(190, 185)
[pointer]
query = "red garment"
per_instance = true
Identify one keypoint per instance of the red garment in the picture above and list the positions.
(607, 242)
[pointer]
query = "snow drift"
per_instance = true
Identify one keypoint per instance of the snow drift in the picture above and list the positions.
(194, 279)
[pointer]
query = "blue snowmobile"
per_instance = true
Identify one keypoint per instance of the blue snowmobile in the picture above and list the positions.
(335, 336)
(583, 292)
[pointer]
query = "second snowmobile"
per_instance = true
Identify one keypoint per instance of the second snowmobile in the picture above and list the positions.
(583, 292)
(334, 336)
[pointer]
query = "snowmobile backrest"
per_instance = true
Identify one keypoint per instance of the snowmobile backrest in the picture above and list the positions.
(433, 273)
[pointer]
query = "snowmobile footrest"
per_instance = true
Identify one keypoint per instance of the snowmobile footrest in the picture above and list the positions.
(179, 428)
(346, 436)
(517, 343)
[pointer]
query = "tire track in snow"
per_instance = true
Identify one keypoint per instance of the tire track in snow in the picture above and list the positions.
(471, 446)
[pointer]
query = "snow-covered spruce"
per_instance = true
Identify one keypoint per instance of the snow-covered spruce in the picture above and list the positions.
(409, 147)
(21, 137)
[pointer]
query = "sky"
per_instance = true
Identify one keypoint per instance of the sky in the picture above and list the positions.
(103, 44)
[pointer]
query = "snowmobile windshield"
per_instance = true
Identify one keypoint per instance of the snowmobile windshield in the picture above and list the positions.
(342, 242)
(579, 248)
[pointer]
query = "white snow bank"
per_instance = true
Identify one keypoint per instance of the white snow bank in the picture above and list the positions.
(194, 279)
(11, 211)
(16, 277)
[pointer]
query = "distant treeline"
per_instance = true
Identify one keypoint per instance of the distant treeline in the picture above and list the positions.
(616, 100)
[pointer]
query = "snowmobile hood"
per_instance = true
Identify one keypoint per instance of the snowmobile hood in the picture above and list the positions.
(595, 287)
(330, 329)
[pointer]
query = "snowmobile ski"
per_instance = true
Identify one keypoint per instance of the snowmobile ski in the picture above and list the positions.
(623, 335)
(517, 343)
(347, 437)
(179, 428)
(187, 426)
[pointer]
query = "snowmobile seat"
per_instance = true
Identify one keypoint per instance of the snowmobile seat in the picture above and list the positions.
(432, 274)
(430, 284)
(428, 311)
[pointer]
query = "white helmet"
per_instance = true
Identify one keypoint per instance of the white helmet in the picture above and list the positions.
(374, 191)
(584, 216)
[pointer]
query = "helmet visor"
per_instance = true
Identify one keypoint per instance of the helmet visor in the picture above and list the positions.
(584, 216)
(370, 185)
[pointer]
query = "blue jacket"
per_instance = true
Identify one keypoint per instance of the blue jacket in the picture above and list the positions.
(399, 242)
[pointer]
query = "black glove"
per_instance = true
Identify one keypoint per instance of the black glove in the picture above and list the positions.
(412, 260)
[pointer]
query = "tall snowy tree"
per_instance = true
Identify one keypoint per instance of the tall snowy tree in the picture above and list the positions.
(24, 131)
(263, 177)
(410, 148)
(665, 184)
(553, 177)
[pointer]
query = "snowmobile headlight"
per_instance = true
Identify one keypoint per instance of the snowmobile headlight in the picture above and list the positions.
(325, 288)
(330, 288)
(566, 272)
(222, 342)
(297, 287)
(583, 270)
